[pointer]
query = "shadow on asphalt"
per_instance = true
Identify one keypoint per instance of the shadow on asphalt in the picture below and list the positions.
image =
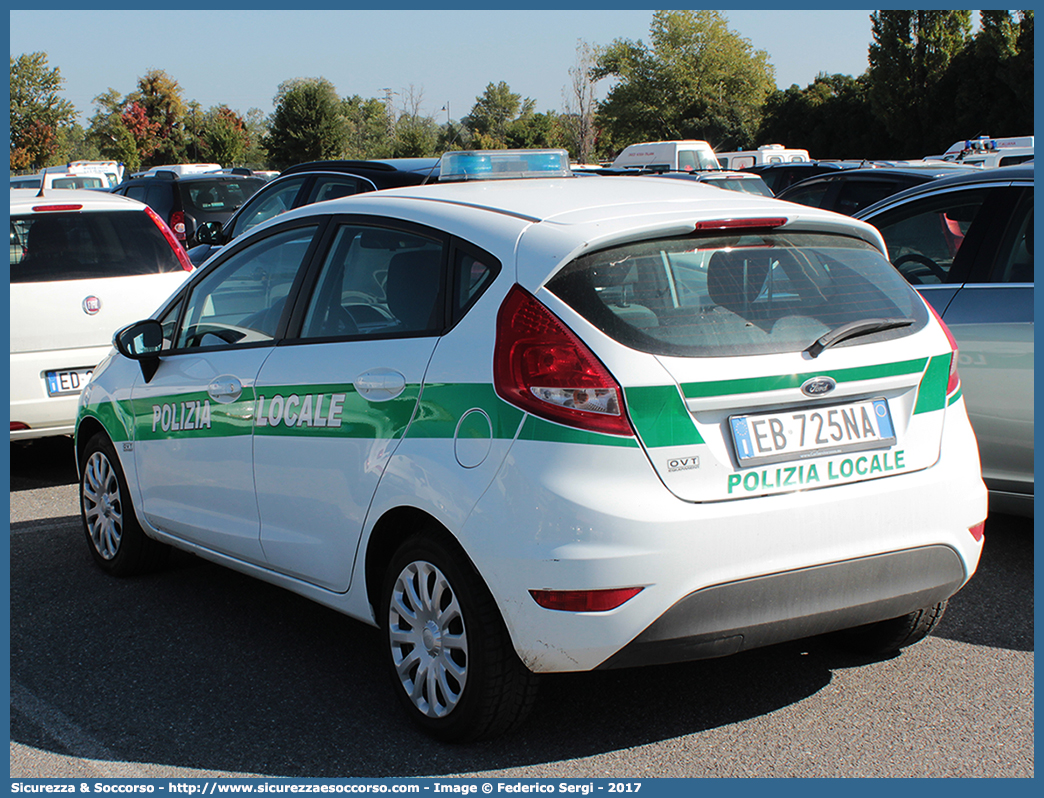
(43, 463)
(200, 667)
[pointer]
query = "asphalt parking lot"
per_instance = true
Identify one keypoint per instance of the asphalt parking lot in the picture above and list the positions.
(199, 671)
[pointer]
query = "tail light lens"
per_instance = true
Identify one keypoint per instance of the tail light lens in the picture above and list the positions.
(955, 379)
(541, 366)
(177, 224)
(168, 234)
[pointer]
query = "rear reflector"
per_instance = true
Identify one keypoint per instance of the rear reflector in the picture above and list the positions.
(977, 530)
(46, 208)
(733, 224)
(584, 600)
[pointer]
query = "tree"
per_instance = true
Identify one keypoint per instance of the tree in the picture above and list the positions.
(155, 115)
(224, 137)
(697, 80)
(308, 123)
(368, 124)
(38, 114)
(909, 56)
(830, 117)
(580, 103)
(492, 112)
(109, 133)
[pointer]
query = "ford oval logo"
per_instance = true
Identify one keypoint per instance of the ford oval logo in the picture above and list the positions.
(818, 386)
(91, 305)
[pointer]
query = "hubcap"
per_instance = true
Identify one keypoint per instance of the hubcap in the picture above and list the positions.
(429, 643)
(102, 507)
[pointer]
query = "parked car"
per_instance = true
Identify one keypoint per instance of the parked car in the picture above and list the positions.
(732, 181)
(186, 198)
(310, 182)
(966, 243)
(83, 264)
(766, 154)
(849, 190)
(779, 176)
(543, 425)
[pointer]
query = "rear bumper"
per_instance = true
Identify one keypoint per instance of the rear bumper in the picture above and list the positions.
(30, 403)
(725, 619)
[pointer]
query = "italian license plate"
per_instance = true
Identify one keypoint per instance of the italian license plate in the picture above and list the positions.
(811, 432)
(69, 381)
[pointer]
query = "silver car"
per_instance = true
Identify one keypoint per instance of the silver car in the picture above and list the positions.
(966, 243)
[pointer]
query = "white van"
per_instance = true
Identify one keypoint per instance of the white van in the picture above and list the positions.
(677, 156)
(60, 177)
(110, 171)
(987, 152)
(769, 153)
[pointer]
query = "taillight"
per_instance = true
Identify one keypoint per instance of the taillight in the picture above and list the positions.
(177, 224)
(168, 234)
(541, 366)
(18, 425)
(955, 379)
(584, 600)
(740, 224)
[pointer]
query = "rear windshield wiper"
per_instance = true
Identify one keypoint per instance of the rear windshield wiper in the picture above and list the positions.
(853, 329)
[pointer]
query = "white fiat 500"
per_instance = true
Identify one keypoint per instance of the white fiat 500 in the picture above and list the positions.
(83, 265)
(545, 425)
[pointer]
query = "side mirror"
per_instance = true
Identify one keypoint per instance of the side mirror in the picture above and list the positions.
(141, 341)
(209, 233)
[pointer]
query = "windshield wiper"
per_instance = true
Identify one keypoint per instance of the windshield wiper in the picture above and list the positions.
(853, 329)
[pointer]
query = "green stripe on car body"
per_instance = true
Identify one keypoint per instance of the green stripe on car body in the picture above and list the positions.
(660, 416)
(705, 390)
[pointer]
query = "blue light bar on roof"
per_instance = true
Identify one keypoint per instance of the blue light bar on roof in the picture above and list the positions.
(503, 164)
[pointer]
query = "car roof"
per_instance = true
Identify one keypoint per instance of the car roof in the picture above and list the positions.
(385, 166)
(973, 177)
(913, 173)
(571, 215)
(26, 200)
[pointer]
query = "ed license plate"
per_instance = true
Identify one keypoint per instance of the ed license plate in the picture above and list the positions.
(62, 383)
(811, 432)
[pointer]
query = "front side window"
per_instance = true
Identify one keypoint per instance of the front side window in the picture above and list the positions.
(241, 301)
(329, 187)
(377, 282)
(78, 246)
(737, 295)
(924, 236)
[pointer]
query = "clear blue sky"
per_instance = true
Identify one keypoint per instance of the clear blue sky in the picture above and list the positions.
(239, 58)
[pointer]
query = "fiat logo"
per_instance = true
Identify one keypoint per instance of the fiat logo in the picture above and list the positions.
(817, 386)
(91, 305)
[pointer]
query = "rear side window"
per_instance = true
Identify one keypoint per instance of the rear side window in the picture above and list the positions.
(48, 247)
(737, 295)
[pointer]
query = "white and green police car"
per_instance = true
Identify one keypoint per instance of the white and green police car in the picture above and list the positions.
(546, 425)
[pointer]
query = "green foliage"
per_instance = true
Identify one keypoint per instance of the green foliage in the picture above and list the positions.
(909, 58)
(697, 80)
(39, 116)
(308, 123)
(492, 114)
(155, 114)
(830, 117)
(368, 128)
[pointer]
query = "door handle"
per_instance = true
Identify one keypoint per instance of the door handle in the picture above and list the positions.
(225, 389)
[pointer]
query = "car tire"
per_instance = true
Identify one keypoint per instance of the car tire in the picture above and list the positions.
(116, 540)
(451, 660)
(889, 636)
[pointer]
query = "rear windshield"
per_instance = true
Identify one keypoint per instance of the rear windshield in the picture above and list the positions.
(215, 196)
(49, 247)
(737, 295)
